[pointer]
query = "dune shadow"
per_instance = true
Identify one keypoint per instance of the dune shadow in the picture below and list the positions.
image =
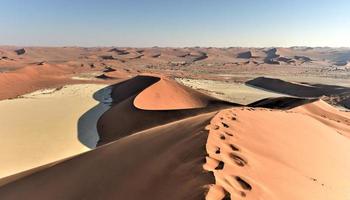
(87, 123)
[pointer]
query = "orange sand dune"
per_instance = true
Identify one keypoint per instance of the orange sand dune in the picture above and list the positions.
(273, 154)
(168, 95)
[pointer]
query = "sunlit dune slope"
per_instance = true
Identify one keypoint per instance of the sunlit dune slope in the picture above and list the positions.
(258, 153)
(169, 95)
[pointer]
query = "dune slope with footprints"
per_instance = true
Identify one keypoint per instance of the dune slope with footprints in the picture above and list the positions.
(258, 153)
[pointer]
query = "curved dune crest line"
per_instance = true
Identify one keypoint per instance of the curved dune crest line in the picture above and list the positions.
(124, 118)
(169, 95)
(254, 152)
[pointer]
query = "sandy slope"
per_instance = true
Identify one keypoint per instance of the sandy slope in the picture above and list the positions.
(328, 115)
(43, 126)
(271, 154)
(167, 94)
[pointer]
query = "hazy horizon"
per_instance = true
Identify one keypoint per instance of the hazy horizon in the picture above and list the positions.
(182, 23)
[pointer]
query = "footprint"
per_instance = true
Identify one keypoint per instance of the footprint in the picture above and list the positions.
(229, 134)
(220, 166)
(238, 160)
(227, 196)
(216, 127)
(225, 125)
(222, 137)
(234, 148)
(243, 183)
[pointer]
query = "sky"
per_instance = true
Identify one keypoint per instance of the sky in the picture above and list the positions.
(177, 23)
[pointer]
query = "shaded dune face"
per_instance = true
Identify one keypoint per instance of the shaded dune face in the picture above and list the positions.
(297, 89)
(333, 94)
(281, 102)
(124, 118)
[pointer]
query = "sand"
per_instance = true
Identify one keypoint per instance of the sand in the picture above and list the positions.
(147, 165)
(44, 126)
(272, 154)
(123, 108)
(166, 94)
(160, 140)
(233, 92)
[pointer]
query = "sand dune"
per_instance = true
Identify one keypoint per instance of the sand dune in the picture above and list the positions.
(256, 154)
(147, 165)
(124, 95)
(177, 148)
(31, 78)
(169, 95)
(162, 140)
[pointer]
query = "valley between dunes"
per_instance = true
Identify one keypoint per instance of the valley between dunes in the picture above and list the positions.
(158, 139)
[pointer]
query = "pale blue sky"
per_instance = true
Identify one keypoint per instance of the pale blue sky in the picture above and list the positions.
(143, 23)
